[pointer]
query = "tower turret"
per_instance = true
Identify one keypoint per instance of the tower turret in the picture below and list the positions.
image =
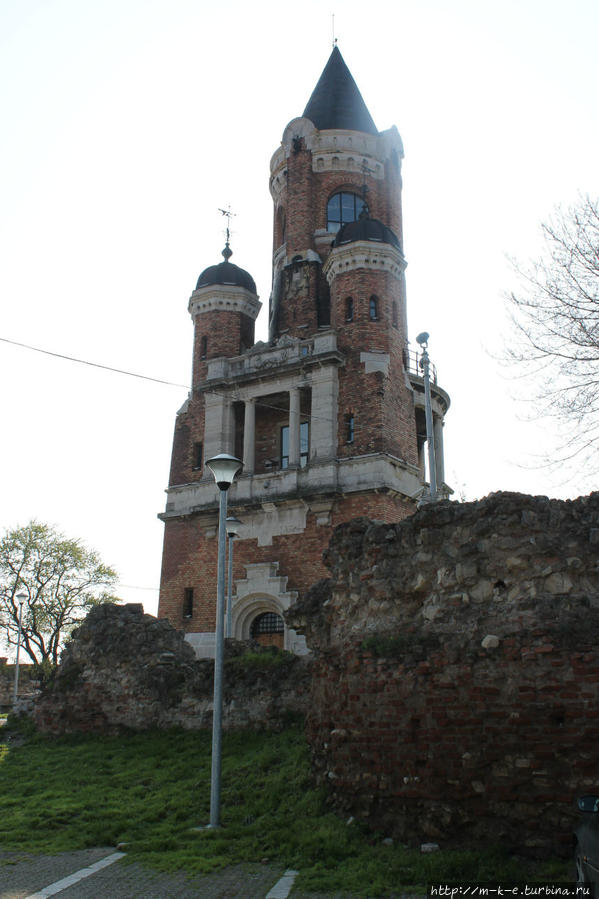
(331, 162)
(224, 307)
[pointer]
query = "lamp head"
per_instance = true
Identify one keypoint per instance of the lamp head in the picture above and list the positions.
(224, 467)
(232, 524)
(21, 597)
(422, 338)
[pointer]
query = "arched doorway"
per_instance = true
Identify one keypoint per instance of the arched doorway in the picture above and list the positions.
(268, 629)
(264, 593)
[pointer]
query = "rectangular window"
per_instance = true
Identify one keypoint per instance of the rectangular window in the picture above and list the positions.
(285, 447)
(304, 445)
(349, 427)
(188, 602)
(198, 454)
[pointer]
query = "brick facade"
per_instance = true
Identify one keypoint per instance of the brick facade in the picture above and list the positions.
(325, 415)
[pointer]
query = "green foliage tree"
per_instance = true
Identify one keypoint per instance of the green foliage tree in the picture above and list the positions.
(555, 335)
(61, 580)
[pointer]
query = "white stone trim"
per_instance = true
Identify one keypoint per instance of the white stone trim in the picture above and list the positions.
(275, 520)
(264, 590)
(375, 362)
(368, 254)
(264, 360)
(336, 148)
(376, 471)
(230, 298)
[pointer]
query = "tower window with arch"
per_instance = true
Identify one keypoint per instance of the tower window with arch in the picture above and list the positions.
(395, 314)
(349, 309)
(203, 347)
(342, 208)
(373, 309)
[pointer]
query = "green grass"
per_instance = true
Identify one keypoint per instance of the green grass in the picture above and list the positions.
(150, 790)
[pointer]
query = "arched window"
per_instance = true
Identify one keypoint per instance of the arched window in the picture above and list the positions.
(203, 347)
(342, 208)
(267, 623)
(349, 310)
(395, 315)
(268, 629)
(373, 309)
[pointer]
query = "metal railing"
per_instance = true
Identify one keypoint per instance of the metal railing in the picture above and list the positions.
(412, 363)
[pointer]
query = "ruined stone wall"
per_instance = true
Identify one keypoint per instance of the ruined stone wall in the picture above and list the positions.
(123, 669)
(28, 682)
(455, 691)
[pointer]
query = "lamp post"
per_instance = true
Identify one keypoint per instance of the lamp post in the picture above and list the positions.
(21, 597)
(422, 339)
(233, 524)
(224, 467)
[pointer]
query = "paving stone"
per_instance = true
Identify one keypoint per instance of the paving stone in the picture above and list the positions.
(22, 874)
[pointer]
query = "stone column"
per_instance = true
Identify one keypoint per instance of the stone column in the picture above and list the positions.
(439, 461)
(219, 426)
(323, 422)
(249, 436)
(294, 427)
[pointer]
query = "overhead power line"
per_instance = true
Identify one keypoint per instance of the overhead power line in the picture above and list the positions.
(234, 394)
(119, 371)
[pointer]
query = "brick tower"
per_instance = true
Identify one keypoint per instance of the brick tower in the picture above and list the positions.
(328, 416)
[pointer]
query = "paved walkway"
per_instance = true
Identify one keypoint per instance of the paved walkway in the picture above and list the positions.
(40, 876)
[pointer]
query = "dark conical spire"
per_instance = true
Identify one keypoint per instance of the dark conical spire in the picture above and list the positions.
(336, 101)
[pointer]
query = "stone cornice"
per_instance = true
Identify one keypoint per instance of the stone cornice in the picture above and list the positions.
(317, 482)
(366, 254)
(335, 150)
(230, 298)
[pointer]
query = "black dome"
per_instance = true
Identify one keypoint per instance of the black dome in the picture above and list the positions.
(366, 228)
(226, 273)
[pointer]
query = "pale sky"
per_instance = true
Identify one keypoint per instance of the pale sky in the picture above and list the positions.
(126, 124)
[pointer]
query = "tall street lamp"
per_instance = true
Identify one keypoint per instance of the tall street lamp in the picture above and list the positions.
(224, 467)
(422, 339)
(233, 524)
(21, 598)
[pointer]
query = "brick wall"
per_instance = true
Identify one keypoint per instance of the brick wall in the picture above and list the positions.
(227, 334)
(455, 693)
(190, 557)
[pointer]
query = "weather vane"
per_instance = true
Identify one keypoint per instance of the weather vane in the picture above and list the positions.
(334, 38)
(229, 215)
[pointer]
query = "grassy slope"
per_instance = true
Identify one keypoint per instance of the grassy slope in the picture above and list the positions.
(149, 790)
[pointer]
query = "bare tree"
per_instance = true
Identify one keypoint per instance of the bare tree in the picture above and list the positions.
(61, 580)
(555, 315)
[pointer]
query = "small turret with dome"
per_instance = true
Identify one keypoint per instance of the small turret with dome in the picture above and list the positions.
(224, 307)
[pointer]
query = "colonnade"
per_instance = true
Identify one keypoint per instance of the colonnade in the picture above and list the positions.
(323, 386)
